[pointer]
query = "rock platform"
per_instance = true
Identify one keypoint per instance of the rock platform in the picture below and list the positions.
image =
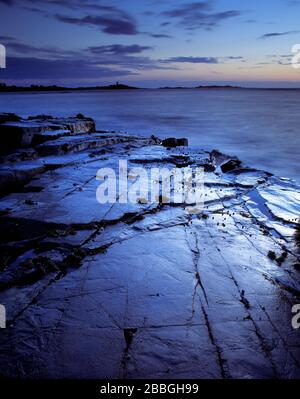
(146, 290)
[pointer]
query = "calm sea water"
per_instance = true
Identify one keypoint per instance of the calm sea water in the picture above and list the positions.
(261, 127)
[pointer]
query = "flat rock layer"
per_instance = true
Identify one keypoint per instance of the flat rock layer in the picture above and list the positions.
(146, 290)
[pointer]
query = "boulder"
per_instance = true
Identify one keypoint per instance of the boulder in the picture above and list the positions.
(230, 165)
(155, 140)
(8, 117)
(183, 142)
(172, 142)
(22, 133)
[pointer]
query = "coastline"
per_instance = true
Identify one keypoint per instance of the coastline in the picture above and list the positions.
(145, 290)
(123, 87)
(78, 90)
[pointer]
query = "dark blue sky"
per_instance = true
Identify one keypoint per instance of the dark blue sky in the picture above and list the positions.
(150, 42)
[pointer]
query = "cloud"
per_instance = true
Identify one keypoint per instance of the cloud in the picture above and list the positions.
(82, 4)
(123, 56)
(112, 24)
(189, 9)
(6, 38)
(16, 47)
(32, 68)
(194, 60)
(284, 63)
(203, 60)
(234, 58)
(199, 15)
(160, 36)
(119, 49)
(117, 54)
(279, 59)
(67, 4)
(27, 62)
(7, 2)
(275, 34)
(108, 18)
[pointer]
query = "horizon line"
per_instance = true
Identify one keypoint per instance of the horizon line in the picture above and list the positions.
(121, 86)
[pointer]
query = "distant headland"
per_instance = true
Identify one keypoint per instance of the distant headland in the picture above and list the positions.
(13, 88)
(4, 88)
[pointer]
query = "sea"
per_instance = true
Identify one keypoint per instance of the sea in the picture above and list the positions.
(261, 127)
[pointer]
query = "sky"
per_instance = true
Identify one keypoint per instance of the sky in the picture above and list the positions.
(150, 43)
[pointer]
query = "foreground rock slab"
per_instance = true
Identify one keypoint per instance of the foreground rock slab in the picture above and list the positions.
(146, 290)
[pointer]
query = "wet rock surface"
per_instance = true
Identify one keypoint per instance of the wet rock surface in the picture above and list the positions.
(172, 142)
(149, 289)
